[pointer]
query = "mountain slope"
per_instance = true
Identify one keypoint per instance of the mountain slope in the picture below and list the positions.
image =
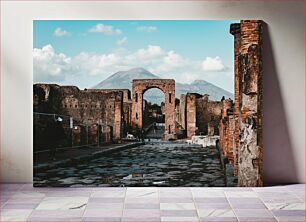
(123, 80)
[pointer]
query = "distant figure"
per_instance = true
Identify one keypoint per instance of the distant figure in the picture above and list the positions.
(55, 133)
(142, 135)
(154, 128)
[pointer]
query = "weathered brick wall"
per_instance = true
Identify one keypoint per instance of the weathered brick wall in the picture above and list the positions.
(248, 144)
(191, 119)
(126, 92)
(85, 106)
(235, 31)
(182, 111)
(208, 115)
(168, 87)
(127, 103)
(227, 129)
(250, 68)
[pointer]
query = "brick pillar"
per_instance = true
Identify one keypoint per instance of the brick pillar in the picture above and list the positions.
(235, 31)
(224, 125)
(182, 112)
(191, 115)
(118, 129)
(250, 69)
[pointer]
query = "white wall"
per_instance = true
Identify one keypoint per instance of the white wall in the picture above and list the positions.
(284, 65)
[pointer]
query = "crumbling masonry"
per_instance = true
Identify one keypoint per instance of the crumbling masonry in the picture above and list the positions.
(108, 108)
(241, 124)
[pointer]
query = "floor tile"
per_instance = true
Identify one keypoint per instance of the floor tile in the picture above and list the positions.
(20, 206)
(179, 213)
(213, 205)
(141, 206)
(62, 203)
(179, 219)
(240, 194)
(14, 214)
(207, 192)
(246, 200)
(119, 193)
(142, 200)
(142, 192)
(289, 213)
(109, 206)
(177, 206)
(151, 213)
(248, 206)
(210, 200)
(291, 219)
(101, 219)
(57, 213)
(216, 213)
(103, 213)
(268, 204)
(175, 193)
(176, 200)
(30, 200)
(285, 206)
(253, 213)
(140, 219)
(105, 200)
(64, 193)
(256, 219)
(218, 219)
(55, 219)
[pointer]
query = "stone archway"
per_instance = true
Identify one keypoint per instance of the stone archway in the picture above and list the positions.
(167, 86)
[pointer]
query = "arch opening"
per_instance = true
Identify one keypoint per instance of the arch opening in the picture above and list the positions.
(165, 87)
(153, 115)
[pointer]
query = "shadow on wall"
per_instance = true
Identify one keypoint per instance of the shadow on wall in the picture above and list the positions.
(279, 163)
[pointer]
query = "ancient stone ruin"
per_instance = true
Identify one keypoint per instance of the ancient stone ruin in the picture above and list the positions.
(236, 122)
(241, 124)
(140, 86)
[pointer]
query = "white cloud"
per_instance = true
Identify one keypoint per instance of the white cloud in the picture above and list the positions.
(59, 32)
(122, 41)
(105, 29)
(146, 29)
(52, 66)
(213, 64)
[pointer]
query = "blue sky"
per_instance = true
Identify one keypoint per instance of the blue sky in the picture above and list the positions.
(86, 52)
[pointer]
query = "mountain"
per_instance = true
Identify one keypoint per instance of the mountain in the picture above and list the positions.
(123, 80)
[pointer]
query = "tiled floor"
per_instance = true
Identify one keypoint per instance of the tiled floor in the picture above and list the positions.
(22, 202)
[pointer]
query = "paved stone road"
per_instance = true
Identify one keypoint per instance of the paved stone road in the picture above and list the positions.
(154, 164)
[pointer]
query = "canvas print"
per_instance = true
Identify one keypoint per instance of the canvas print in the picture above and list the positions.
(167, 103)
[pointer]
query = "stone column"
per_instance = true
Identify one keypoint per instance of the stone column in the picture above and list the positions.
(235, 31)
(170, 123)
(118, 130)
(190, 115)
(250, 68)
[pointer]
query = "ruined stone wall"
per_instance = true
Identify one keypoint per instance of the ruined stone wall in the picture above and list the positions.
(246, 121)
(227, 129)
(235, 31)
(84, 106)
(208, 115)
(127, 103)
(250, 68)
(182, 111)
(126, 92)
(191, 114)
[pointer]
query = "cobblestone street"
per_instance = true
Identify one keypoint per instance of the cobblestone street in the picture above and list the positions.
(157, 163)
